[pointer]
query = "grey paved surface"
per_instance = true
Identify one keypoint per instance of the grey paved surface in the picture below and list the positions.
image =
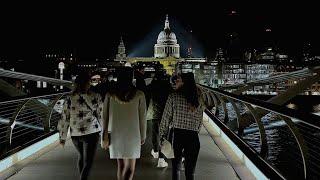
(60, 164)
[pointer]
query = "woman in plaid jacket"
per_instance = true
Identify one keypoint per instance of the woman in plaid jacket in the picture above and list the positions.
(184, 113)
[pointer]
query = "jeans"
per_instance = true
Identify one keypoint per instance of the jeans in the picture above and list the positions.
(185, 142)
(86, 146)
(156, 137)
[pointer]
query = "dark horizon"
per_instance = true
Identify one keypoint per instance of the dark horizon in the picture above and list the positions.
(95, 32)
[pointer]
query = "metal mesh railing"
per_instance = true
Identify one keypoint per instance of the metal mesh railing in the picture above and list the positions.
(24, 120)
(286, 140)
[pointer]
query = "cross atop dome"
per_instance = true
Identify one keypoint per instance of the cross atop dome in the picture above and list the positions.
(121, 41)
(166, 24)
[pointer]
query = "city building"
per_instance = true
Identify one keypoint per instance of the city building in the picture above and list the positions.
(121, 55)
(66, 56)
(258, 71)
(233, 73)
(307, 53)
(267, 55)
(220, 55)
(166, 51)
(205, 71)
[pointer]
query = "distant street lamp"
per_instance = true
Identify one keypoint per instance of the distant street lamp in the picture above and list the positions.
(61, 67)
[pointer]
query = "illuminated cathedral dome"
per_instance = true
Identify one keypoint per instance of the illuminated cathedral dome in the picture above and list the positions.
(167, 44)
(166, 36)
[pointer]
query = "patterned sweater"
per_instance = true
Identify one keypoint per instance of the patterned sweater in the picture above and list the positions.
(82, 114)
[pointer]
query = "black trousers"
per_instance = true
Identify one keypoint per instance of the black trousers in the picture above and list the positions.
(185, 142)
(86, 147)
(156, 137)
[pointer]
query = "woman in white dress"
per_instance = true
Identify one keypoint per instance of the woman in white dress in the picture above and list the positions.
(124, 117)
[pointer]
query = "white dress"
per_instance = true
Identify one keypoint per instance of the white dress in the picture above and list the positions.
(127, 126)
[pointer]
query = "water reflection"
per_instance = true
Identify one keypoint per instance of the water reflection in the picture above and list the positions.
(283, 153)
(292, 106)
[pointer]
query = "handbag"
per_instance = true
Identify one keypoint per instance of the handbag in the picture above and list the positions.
(167, 150)
(166, 145)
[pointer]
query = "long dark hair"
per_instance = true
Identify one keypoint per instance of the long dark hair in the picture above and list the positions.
(124, 89)
(81, 82)
(189, 89)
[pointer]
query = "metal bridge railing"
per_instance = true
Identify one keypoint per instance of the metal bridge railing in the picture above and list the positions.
(25, 76)
(27, 120)
(283, 143)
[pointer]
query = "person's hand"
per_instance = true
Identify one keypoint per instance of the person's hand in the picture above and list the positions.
(105, 142)
(143, 141)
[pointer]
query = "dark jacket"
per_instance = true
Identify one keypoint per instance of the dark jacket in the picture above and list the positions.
(140, 82)
(160, 90)
(103, 88)
(141, 85)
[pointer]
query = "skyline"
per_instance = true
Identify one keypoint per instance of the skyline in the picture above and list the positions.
(97, 33)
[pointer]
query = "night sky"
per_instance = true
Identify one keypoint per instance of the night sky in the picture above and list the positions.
(94, 29)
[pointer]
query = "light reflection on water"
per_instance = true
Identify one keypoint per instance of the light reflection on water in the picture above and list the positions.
(292, 106)
(284, 153)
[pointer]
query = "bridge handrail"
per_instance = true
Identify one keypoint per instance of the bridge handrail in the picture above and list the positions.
(26, 121)
(25, 76)
(33, 97)
(262, 165)
(309, 120)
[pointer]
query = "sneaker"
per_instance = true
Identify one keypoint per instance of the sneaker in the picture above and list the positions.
(162, 163)
(154, 154)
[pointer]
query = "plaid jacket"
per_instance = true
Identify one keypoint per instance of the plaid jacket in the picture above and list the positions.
(178, 114)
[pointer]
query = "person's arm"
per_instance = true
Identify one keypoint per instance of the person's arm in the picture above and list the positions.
(142, 118)
(99, 110)
(166, 117)
(105, 121)
(64, 123)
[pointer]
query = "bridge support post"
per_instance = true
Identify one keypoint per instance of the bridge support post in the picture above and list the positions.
(11, 125)
(47, 121)
(262, 132)
(224, 107)
(300, 141)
